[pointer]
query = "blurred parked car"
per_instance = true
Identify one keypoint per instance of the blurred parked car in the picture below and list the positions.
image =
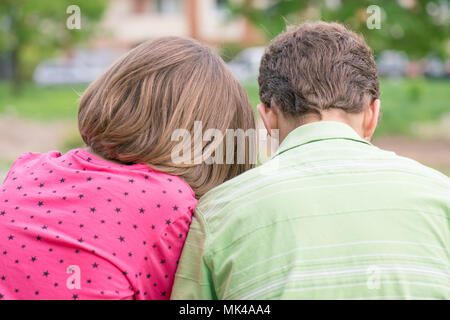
(435, 68)
(245, 65)
(5, 67)
(392, 63)
(83, 67)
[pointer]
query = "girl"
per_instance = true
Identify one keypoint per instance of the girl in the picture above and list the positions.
(109, 221)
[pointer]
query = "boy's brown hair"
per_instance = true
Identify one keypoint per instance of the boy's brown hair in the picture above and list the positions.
(130, 113)
(318, 66)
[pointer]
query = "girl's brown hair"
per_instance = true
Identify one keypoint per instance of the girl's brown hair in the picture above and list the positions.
(130, 112)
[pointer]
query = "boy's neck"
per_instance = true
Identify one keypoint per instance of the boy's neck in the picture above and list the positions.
(337, 115)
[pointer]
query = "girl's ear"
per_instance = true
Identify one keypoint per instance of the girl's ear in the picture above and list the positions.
(269, 117)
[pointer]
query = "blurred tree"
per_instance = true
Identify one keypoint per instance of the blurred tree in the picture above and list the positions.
(417, 27)
(32, 30)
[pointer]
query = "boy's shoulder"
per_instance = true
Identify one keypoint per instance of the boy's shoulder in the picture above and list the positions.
(238, 193)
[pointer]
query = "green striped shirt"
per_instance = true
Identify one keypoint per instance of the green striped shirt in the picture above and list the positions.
(330, 216)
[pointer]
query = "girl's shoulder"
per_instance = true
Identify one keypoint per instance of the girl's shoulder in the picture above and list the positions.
(30, 159)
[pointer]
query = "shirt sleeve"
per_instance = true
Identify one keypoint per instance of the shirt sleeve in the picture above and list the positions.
(193, 280)
(157, 285)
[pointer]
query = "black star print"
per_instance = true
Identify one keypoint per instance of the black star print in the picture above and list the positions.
(95, 265)
(168, 222)
(131, 181)
(89, 179)
(38, 238)
(19, 187)
(93, 210)
(80, 240)
(141, 210)
(33, 259)
(117, 209)
(75, 297)
(121, 239)
(175, 208)
(2, 213)
(40, 203)
(11, 237)
(46, 273)
(62, 180)
(80, 196)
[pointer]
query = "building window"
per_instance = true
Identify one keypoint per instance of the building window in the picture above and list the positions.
(168, 6)
(139, 6)
(221, 4)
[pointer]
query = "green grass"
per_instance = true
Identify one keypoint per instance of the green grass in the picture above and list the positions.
(404, 102)
(42, 103)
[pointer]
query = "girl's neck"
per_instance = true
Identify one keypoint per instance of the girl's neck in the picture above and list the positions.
(89, 149)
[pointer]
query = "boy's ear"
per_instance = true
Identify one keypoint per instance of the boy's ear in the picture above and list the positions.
(371, 116)
(269, 117)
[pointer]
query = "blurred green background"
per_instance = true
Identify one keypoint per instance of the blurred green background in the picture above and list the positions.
(38, 110)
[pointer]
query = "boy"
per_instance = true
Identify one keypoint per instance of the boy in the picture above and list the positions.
(330, 216)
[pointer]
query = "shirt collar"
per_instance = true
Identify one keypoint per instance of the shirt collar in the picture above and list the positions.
(317, 131)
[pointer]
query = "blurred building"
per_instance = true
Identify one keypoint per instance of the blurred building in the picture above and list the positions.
(128, 22)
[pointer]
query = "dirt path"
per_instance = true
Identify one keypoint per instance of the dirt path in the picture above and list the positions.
(435, 153)
(18, 135)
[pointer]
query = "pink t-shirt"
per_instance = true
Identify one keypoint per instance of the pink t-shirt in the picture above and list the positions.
(75, 226)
